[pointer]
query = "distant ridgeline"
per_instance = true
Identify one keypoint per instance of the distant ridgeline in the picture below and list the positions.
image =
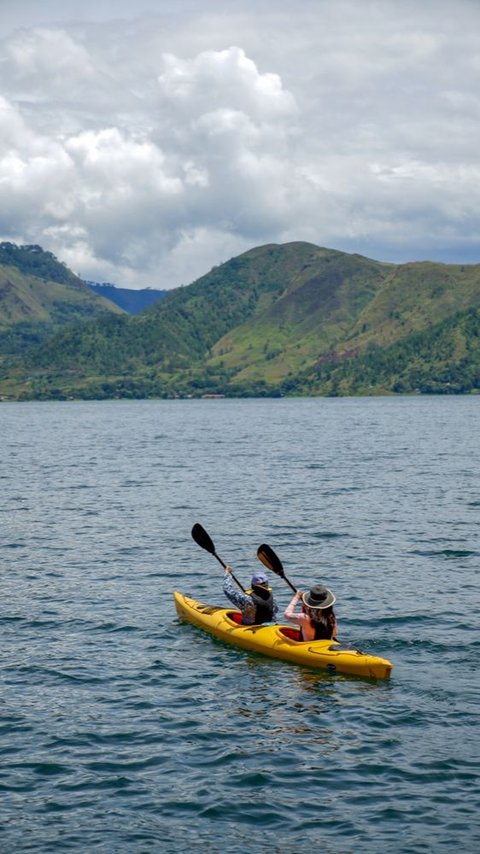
(280, 319)
(132, 301)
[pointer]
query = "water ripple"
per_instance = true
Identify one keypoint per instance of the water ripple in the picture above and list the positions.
(124, 730)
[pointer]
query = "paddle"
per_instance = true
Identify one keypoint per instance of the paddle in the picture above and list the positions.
(203, 540)
(273, 562)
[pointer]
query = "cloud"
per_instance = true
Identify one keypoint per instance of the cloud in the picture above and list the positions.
(51, 57)
(227, 77)
(144, 150)
(111, 197)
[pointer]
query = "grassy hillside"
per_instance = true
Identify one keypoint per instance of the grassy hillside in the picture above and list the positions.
(441, 359)
(32, 260)
(314, 313)
(180, 329)
(340, 306)
(278, 319)
(38, 296)
(36, 288)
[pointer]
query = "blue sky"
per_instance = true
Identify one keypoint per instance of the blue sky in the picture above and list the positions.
(143, 143)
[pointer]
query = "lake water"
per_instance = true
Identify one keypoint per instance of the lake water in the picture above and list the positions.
(124, 730)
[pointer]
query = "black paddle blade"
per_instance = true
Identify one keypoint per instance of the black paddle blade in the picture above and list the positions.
(202, 539)
(270, 560)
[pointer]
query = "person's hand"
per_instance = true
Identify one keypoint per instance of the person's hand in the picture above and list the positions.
(299, 594)
(228, 569)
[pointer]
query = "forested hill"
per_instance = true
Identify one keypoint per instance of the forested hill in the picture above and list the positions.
(37, 289)
(279, 319)
(32, 260)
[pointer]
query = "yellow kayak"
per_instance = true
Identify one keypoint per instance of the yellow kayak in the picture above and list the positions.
(279, 641)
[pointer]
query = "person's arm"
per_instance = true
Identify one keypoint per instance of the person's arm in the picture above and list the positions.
(241, 600)
(237, 598)
(289, 613)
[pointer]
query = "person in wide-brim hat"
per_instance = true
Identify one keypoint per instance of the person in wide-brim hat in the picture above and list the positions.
(319, 597)
(317, 620)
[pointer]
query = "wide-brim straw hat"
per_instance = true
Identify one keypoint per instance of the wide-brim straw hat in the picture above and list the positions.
(319, 597)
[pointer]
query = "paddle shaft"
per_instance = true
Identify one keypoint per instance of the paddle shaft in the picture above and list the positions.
(290, 584)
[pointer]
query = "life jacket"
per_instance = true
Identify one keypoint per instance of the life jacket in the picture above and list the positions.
(323, 627)
(263, 605)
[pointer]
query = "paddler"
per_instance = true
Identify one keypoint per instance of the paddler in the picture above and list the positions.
(257, 605)
(316, 619)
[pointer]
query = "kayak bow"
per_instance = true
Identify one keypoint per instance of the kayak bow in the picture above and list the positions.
(279, 641)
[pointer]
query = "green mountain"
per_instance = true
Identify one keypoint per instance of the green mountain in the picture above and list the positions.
(38, 296)
(278, 319)
(36, 287)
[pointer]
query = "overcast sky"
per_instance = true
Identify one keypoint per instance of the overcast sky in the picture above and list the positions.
(144, 142)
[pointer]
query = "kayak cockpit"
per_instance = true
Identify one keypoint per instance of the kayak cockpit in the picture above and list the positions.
(291, 633)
